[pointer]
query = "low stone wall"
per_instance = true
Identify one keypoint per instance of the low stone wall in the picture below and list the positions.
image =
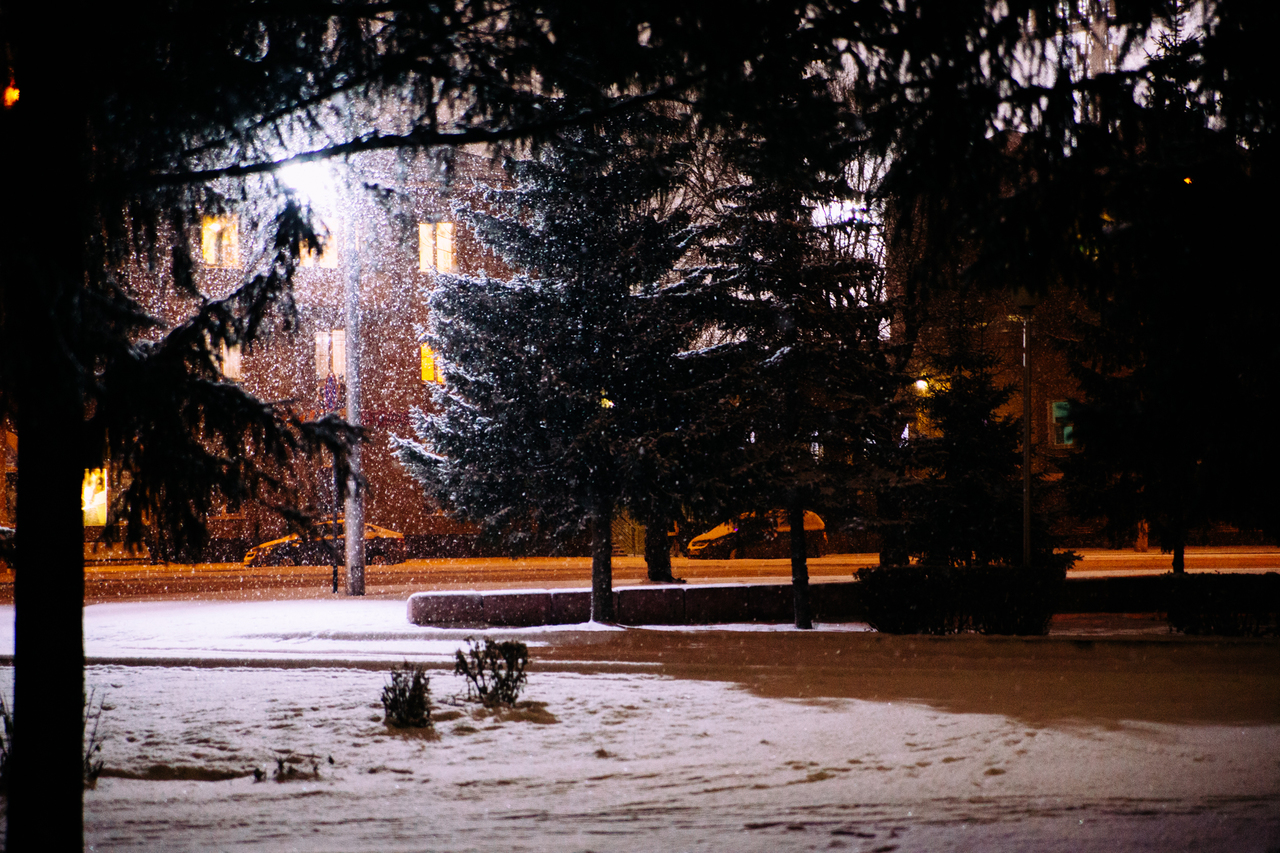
(633, 605)
(709, 604)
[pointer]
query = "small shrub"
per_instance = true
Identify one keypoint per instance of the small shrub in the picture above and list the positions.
(1014, 600)
(287, 770)
(912, 599)
(494, 671)
(407, 699)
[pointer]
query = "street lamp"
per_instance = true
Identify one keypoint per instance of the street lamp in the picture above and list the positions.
(316, 181)
(354, 509)
(1025, 301)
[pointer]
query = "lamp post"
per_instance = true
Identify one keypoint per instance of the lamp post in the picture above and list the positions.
(318, 185)
(354, 509)
(1025, 301)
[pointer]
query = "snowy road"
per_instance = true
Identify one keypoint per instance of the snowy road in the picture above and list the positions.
(733, 740)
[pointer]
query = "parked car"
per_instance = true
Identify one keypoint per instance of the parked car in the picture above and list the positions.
(758, 536)
(381, 547)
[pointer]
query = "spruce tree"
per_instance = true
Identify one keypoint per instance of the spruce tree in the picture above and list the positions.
(563, 389)
(964, 503)
(819, 402)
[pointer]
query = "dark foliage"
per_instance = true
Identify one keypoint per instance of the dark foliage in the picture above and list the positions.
(406, 699)
(964, 504)
(817, 404)
(920, 599)
(1177, 353)
(1225, 605)
(494, 670)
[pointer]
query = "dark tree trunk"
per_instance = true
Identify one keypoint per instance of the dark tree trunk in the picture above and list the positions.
(799, 565)
(1179, 558)
(46, 768)
(893, 538)
(43, 234)
(657, 549)
(602, 562)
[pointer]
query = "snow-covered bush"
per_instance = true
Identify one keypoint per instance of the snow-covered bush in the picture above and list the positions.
(407, 699)
(494, 671)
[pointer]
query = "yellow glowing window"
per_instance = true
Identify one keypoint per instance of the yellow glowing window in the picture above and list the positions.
(230, 361)
(93, 496)
(326, 257)
(220, 241)
(431, 371)
(331, 354)
(436, 247)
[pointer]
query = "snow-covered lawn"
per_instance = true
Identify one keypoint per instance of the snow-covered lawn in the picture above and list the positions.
(645, 739)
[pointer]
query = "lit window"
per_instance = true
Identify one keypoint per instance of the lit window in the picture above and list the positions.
(326, 257)
(230, 356)
(331, 368)
(436, 247)
(1060, 427)
(220, 241)
(93, 496)
(431, 371)
(331, 353)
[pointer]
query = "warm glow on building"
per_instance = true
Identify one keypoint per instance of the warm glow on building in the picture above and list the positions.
(230, 356)
(430, 368)
(326, 257)
(436, 247)
(93, 497)
(220, 241)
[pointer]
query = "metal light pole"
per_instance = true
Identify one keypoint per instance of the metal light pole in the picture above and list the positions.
(354, 510)
(1026, 303)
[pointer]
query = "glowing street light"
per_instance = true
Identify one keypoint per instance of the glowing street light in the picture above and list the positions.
(317, 182)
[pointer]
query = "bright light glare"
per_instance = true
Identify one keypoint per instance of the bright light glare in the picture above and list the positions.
(314, 181)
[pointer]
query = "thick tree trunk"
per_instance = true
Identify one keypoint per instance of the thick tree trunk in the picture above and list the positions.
(1179, 558)
(47, 765)
(657, 550)
(602, 562)
(799, 565)
(44, 229)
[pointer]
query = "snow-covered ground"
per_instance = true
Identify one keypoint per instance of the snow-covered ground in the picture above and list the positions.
(649, 739)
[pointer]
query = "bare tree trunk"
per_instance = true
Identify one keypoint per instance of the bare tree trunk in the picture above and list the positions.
(799, 564)
(1179, 558)
(602, 562)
